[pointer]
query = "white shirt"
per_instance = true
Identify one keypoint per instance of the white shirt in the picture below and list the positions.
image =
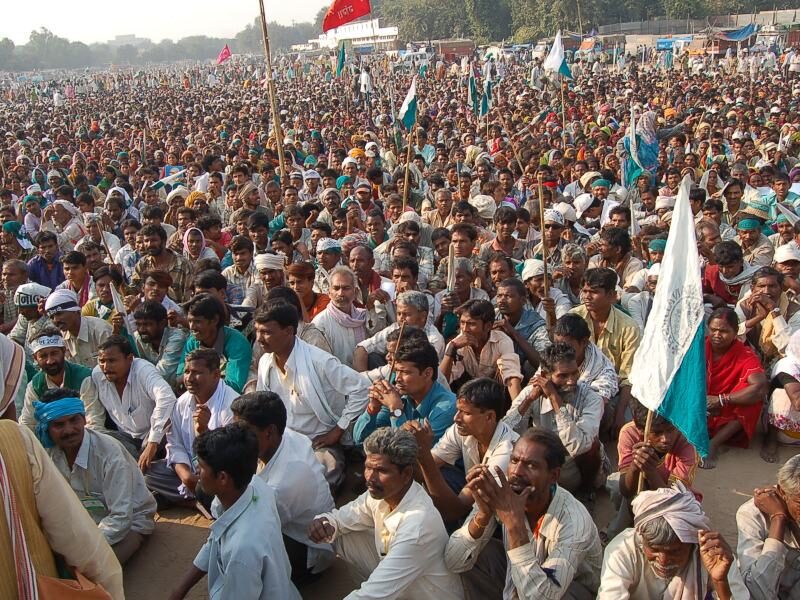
(244, 556)
(377, 343)
(562, 304)
(301, 493)
(104, 471)
(452, 446)
(146, 404)
(627, 576)
(342, 339)
(412, 557)
(82, 348)
(180, 437)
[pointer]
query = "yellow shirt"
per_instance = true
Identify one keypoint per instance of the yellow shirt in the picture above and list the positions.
(618, 340)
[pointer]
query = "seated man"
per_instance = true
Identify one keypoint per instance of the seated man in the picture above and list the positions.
(391, 535)
(206, 316)
(241, 556)
(128, 398)
(415, 394)
(480, 350)
(342, 322)
(664, 457)
(156, 341)
(615, 333)
(412, 309)
(766, 315)
(30, 320)
(82, 335)
(322, 396)
(205, 405)
(594, 367)
(520, 322)
(670, 553)
(478, 436)
(410, 334)
(288, 465)
(727, 279)
(103, 475)
(56, 372)
(557, 401)
(769, 543)
(550, 547)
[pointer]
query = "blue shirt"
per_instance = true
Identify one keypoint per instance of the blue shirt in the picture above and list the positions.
(241, 556)
(235, 354)
(39, 272)
(528, 322)
(438, 406)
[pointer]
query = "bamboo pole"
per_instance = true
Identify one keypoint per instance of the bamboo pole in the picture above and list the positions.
(648, 423)
(408, 170)
(272, 95)
(397, 345)
(539, 177)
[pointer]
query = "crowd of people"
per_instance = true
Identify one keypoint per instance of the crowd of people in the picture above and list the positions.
(203, 310)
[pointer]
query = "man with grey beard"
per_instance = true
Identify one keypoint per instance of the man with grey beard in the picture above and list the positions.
(557, 401)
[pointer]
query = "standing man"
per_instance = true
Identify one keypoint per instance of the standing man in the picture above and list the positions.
(392, 535)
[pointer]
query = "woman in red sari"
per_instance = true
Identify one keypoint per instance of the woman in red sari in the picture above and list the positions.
(736, 385)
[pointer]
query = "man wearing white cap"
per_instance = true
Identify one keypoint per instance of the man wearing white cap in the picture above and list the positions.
(787, 261)
(270, 268)
(556, 304)
(82, 335)
(55, 372)
(311, 187)
(669, 553)
(30, 322)
(329, 255)
(64, 219)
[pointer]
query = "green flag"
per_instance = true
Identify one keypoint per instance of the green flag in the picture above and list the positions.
(340, 60)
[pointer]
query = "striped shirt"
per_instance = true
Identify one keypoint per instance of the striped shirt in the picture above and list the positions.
(565, 552)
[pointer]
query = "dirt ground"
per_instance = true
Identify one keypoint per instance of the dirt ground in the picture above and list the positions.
(154, 571)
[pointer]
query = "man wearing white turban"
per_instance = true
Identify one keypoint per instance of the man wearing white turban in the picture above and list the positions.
(64, 219)
(670, 553)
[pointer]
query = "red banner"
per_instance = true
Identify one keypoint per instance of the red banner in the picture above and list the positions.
(344, 11)
(224, 55)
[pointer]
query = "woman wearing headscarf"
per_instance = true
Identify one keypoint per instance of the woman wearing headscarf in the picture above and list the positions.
(14, 243)
(194, 245)
(783, 412)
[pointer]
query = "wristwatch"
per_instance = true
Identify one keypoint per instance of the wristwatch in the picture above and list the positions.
(397, 413)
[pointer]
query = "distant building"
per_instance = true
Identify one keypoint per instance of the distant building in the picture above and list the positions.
(364, 36)
(128, 40)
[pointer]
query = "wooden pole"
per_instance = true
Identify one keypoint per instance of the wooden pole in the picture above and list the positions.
(397, 345)
(539, 177)
(563, 105)
(648, 423)
(272, 96)
(408, 170)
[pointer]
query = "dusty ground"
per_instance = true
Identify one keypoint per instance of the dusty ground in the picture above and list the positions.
(179, 534)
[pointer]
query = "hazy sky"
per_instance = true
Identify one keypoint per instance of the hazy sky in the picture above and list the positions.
(95, 21)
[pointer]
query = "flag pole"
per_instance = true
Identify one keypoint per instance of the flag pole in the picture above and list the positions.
(647, 425)
(408, 170)
(539, 178)
(563, 104)
(271, 89)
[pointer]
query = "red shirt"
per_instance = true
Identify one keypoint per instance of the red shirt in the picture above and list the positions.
(712, 284)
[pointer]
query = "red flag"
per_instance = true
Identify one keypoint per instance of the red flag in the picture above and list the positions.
(224, 55)
(344, 11)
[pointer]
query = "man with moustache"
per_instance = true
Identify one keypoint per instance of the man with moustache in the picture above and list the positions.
(392, 535)
(56, 372)
(552, 549)
(556, 400)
